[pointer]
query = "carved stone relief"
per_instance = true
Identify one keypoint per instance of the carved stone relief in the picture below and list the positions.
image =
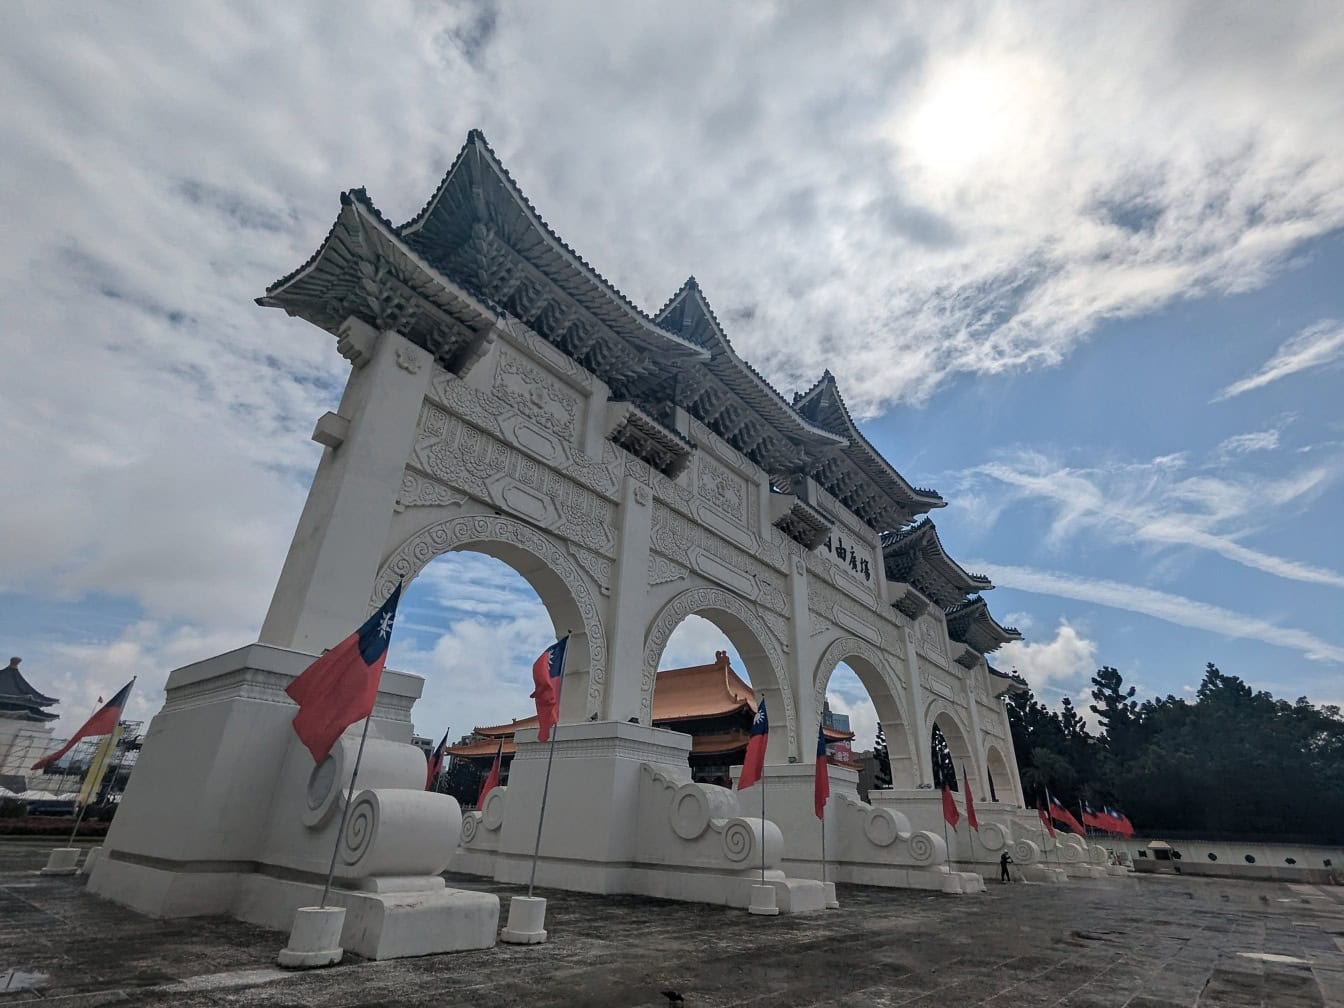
(662, 570)
(725, 491)
(466, 532)
(696, 600)
(599, 567)
(691, 545)
(536, 396)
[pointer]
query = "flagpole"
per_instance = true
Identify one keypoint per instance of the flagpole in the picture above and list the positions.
(761, 782)
(345, 812)
(550, 758)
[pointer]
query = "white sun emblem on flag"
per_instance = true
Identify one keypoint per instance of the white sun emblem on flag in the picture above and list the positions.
(760, 715)
(385, 625)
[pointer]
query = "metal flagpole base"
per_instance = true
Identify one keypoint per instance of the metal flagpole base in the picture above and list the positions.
(764, 901)
(527, 914)
(62, 861)
(831, 902)
(315, 939)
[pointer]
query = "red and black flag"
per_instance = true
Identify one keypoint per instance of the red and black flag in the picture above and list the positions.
(103, 722)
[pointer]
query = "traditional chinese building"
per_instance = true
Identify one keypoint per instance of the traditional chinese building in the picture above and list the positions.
(25, 723)
(711, 703)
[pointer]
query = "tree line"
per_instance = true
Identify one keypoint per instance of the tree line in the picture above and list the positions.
(1230, 763)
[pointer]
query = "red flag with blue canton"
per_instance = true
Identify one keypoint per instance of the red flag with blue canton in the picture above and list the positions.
(970, 802)
(435, 762)
(1062, 815)
(492, 778)
(102, 723)
(821, 788)
(754, 764)
(547, 675)
(340, 687)
(950, 812)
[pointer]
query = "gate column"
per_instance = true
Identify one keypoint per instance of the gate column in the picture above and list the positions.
(629, 616)
(323, 589)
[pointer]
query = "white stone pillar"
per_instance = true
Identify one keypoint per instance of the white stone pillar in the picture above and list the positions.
(324, 587)
(919, 731)
(800, 667)
(628, 609)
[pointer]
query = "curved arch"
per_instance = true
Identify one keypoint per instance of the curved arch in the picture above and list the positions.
(999, 775)
(554, 576)
(741, 624)
(942, 714)
(885, 691)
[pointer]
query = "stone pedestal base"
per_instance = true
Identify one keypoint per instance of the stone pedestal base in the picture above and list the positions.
(952, 884)
(315, 938)
(381, 925)
(831, 902)
(763, 902)
(62, 861)
(527, 914)
(91, 860)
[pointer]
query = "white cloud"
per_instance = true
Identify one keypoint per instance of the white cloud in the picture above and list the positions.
(1164, 606)
(862, 716)
(1157, 504)
(1252, 441)
(1317, 345)
(1059, 662)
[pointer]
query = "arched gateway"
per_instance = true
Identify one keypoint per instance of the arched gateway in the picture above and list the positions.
(504, 397)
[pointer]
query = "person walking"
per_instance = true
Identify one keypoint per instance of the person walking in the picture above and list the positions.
(1004, 862)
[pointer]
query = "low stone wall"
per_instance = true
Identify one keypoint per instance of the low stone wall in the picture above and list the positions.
(1229, 859)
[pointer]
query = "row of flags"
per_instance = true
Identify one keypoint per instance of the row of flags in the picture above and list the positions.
(1109, 820)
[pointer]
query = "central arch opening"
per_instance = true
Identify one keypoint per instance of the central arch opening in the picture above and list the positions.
(471, 623)
(862, 697)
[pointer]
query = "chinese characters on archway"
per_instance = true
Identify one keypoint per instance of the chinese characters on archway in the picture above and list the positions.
(847, 554)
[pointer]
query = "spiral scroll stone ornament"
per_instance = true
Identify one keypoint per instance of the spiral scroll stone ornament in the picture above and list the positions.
(492, 816)
(361, 826)
(882, 827)
(927, 849)
(994, 837)
(694, 805)
(1025, 852)
(471, 824)
(739, 840)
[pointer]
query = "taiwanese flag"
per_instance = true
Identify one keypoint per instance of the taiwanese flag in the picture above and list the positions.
(821, 788)
(970, 802)
(1093, 819)
(102, 723)
(340, 687)
(1045, 820)
(547, 673)
(492, 778)
(1060, 814)
(754, 764)
(950, 812)
(435, 763)
(1122, 824)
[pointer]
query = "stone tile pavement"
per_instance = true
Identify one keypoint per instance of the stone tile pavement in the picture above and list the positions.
(1136, 942)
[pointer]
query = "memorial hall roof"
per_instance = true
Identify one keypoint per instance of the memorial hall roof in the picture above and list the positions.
(19, 699)
(915, 555)
(696, 692)
(970, 623)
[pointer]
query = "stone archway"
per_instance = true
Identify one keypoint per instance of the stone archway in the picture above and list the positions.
(551, 573)
(943, 716)
(746, 630)
(999, 776)
(884, 689)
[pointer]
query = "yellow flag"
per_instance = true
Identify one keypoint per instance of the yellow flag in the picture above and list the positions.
(98, 765)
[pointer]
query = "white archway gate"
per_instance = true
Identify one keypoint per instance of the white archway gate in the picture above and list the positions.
(504, 397)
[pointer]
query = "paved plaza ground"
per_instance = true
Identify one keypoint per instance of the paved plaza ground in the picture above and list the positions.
(1140, 941)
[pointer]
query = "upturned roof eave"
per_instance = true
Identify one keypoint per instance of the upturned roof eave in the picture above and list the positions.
(739, 369)
(858, 444)
(505, 183)
(914, 537)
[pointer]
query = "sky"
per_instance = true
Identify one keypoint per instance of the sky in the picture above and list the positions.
(1078, 267)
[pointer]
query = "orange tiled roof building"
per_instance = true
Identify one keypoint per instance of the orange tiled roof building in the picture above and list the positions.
(711, 703)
